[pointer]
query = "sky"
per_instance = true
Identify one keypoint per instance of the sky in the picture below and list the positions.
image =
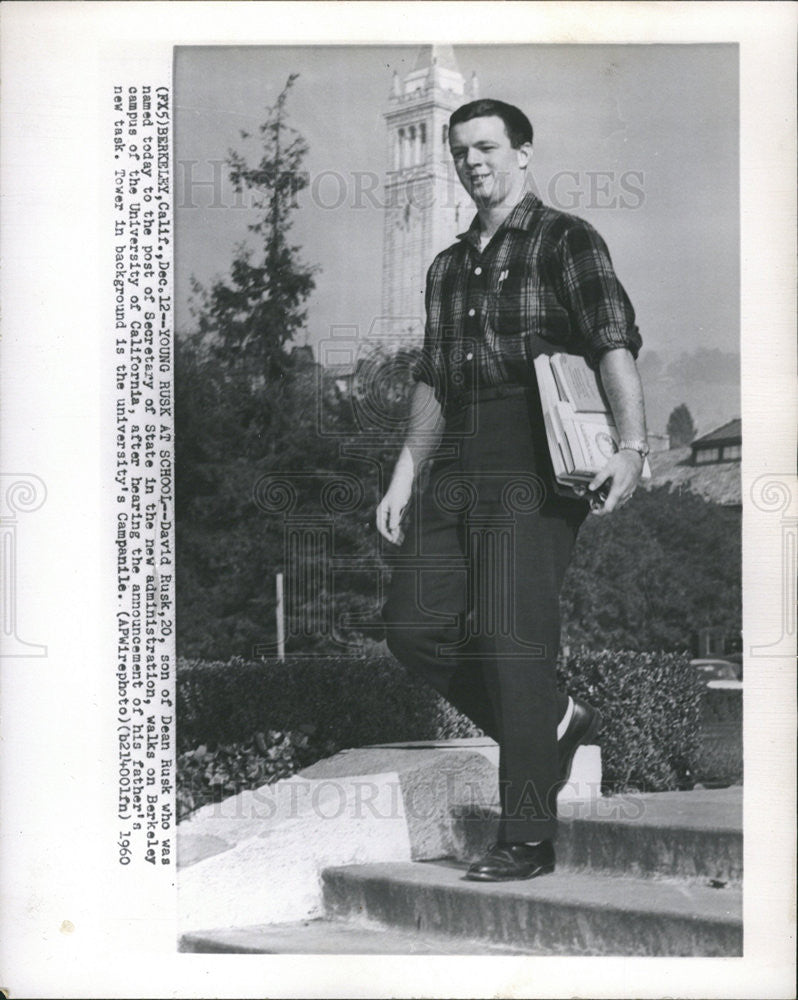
(640, 140)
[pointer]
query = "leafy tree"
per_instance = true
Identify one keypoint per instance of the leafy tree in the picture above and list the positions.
(653, 573)
(680, 428)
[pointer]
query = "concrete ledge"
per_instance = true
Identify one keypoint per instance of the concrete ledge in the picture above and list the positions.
(433, 784)
(585, 779)
(450, 790)
(257, 857)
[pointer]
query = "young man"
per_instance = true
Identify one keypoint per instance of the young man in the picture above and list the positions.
(474, 599)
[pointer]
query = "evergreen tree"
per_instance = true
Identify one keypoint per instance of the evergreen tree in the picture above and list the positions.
(247, 411)
(249, 318)
(681, 428)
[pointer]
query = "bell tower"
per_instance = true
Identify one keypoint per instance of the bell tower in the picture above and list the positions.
(425, 206)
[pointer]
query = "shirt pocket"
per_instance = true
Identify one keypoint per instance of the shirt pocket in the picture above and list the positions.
(513, 291)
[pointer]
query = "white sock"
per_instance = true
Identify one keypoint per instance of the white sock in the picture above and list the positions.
(566, 719)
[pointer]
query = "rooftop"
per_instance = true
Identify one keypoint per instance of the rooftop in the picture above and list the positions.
(730, 431)
(718, 482)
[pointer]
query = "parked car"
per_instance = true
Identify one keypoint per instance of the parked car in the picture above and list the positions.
(737, 660)
(717, 669)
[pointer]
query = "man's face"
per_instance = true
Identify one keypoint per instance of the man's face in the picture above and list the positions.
(487, 165)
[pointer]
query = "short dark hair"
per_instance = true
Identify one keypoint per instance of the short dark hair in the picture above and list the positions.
(516, 124)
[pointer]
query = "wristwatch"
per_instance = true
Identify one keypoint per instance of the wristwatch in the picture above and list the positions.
(632, 444)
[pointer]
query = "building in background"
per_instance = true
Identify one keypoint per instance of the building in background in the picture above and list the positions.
(724, 444)
(710, 466)
(425, 205)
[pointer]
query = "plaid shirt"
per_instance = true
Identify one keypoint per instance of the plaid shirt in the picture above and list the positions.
(545, 283)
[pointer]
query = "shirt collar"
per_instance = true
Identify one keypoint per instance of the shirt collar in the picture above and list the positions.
(519, 217)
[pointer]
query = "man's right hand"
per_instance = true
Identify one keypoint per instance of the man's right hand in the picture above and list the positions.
(423, 435)
(392, 508)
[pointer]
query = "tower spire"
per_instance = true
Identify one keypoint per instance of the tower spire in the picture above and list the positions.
(441, 56)
(435, 68)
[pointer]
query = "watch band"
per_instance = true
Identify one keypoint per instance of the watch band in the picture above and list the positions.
(630, 444)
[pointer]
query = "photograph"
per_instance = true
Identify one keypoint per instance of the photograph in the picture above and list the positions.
(458, 499)
(389, 603)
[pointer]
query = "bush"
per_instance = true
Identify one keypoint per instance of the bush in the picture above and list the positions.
(651, 707)
(722, 705)
(651, 704)
(344, 701)
(653, 574)
(205, 775)
(721, 759)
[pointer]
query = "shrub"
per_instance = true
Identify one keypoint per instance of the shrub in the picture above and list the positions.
(720, 761)
(205, 775)
(651, 709)
(653, 574)
(651, 704)
(348, 702)
(722, 705)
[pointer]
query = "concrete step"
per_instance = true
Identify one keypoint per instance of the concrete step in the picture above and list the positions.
(565, 913)
(694, 835)
(328, 937)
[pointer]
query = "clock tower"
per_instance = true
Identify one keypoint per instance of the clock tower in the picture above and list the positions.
(425, 205)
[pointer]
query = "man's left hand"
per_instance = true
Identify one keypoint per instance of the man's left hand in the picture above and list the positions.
(622, 472)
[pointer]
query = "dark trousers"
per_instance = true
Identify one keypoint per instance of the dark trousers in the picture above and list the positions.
(473, 606)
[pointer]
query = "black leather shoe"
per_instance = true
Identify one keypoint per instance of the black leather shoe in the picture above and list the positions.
(506, 862)
(582, 728)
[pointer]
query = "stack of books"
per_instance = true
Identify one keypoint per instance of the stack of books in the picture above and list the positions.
(580, 427)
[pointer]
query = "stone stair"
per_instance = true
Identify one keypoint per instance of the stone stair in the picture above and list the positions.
(693, 836)
(566, 913)
(656, 874)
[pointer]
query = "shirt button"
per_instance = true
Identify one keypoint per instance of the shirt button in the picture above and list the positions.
(469, 356)
(477, 270)
(472, 312)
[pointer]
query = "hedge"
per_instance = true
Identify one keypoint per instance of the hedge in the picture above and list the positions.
(720, 761)
(722, 705)
(205, 775)
(345, 701)
(244, 724)
(651, 705)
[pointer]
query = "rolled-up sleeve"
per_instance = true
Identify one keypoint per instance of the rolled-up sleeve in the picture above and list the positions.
(429, 366)
(597, 303)
(423, 369)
